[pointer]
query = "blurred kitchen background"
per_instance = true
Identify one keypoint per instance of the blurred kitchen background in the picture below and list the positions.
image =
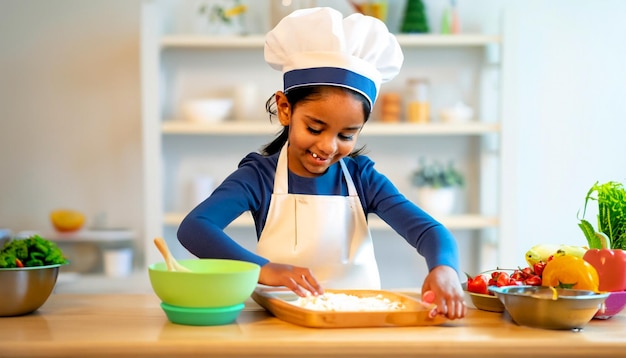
(81, 110)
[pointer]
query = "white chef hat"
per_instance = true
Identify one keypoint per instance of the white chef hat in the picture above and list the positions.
(318, 46)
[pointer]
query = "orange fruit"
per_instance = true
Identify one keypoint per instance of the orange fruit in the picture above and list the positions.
(65, 220)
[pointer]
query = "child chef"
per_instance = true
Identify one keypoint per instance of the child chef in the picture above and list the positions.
(310, 190)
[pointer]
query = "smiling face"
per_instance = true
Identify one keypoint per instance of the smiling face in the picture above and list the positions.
(322, 129)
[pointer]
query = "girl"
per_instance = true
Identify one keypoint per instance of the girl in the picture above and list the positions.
(309, 190)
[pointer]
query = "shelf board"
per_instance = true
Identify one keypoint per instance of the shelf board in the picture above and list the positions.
(456, 222)
(396, 129)
(227, 128)
(370, 129)
(257, 41)
(437, 40)
(208, 42)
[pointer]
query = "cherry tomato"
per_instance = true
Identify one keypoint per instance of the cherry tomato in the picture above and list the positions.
(534, 280)
(538, 268)
(503, 279)
(477, 284)
(517, 275)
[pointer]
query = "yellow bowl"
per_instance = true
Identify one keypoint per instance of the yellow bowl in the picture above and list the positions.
(65, 220)
(211, 282)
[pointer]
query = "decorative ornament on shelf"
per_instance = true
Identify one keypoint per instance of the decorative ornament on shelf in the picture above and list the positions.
(437, 186)
(415, 19)
(450, 23)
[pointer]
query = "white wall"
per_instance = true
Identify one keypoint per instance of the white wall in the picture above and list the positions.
(70, 118)
(565, 116)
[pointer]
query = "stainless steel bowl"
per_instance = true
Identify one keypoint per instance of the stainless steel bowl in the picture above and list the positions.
(23, 290)
(535, 306)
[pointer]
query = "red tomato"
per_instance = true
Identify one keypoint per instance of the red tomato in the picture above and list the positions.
(538, 268)
(503, 279)
(477, 284)
(533, 281)
(517, 275)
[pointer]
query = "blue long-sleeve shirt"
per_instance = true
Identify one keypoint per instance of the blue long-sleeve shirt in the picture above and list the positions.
(250, 188)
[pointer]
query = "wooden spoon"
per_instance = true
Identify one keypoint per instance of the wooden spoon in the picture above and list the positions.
(170, 261)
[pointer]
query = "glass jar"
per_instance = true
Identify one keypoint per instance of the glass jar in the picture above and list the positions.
(418, 104)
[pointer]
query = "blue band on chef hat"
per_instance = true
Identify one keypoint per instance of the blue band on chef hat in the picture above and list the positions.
(331, 76)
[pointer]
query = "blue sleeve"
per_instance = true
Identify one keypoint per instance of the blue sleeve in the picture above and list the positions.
(202, 230)
(431, 239)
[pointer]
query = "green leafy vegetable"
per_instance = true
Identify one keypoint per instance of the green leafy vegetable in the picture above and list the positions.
(29, 252)
(611, 198)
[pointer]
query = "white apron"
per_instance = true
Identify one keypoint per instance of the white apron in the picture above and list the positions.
(325, 233)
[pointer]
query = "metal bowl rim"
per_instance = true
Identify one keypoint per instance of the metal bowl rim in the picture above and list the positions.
(32, 267)
(504, 290)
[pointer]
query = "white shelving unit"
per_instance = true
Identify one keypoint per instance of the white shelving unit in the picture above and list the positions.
(214, 61)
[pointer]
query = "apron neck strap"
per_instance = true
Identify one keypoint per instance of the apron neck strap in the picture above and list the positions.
(282, 174)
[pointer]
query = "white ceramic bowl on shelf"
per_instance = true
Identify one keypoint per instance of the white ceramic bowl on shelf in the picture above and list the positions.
(457, 113)
(210, 110)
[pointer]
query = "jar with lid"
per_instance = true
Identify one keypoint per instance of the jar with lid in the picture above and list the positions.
(418, 104)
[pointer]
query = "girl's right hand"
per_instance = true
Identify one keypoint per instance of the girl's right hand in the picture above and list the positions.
(293, 277)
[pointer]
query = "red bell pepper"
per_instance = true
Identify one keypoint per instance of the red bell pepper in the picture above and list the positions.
(611, 267)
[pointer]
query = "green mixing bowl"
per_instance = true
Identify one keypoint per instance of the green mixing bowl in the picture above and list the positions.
(202, 316)
(211, 282)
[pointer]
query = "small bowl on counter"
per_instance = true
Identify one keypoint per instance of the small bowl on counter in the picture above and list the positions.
(613, 305)
(487, 302)
(549, 308)
(483, 302)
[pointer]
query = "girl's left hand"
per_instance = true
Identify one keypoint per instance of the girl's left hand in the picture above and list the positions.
(444, 282)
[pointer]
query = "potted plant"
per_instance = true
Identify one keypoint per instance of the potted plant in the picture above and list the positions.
(437, 186)
(607, 244)
(220, 17)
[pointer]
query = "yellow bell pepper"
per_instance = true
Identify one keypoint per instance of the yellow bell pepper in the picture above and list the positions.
(569, 271)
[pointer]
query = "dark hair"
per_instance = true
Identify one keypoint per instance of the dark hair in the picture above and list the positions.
(301, 94)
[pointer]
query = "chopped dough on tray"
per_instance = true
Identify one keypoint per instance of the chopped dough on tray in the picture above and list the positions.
(345, 302)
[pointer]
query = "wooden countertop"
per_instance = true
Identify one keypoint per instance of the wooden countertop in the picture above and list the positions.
(123, 325)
